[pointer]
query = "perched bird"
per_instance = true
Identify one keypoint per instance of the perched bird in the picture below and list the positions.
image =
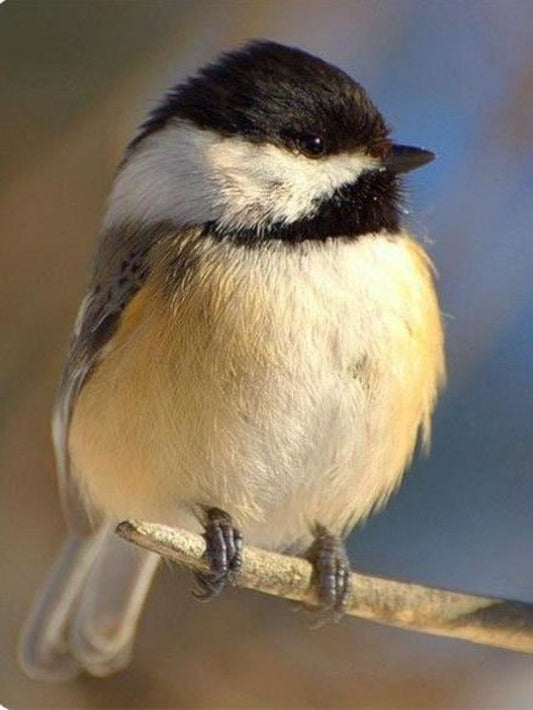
(259, 349)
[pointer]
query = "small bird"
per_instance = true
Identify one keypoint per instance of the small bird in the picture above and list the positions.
(258, 352)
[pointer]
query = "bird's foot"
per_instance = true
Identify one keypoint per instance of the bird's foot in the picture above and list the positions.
(331, 576)
(223, 550)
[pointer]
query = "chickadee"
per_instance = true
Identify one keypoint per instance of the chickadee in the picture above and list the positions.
(258, 351)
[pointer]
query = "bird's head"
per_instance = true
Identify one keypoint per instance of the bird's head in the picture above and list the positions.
(269, 142)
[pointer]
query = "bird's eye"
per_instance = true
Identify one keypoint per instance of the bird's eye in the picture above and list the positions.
(311, 146)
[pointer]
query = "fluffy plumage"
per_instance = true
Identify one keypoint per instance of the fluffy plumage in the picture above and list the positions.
(251, 191)
(284, 384)
(259, 336)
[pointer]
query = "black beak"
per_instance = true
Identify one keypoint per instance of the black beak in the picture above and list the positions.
(403, 158)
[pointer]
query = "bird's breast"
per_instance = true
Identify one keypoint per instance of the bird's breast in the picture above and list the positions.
(262, 379)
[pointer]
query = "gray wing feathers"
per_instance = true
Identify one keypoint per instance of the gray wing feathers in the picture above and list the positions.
(120, 269)
(78, 366)
(86, 615)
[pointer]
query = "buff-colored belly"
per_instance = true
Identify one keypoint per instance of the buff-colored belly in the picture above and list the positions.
(287, 391)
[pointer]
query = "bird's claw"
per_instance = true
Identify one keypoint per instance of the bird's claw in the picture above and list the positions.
(223, 549)
(331, 577)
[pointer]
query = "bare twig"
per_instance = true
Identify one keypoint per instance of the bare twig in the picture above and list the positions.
(495, 622)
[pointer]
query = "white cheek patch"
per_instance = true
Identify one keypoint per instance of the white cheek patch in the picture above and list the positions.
(190, 176)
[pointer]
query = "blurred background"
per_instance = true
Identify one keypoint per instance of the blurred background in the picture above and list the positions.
(455, 77)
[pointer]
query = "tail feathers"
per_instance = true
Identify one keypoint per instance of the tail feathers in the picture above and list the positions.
(44, 648)
(85, 617)
(103, 630)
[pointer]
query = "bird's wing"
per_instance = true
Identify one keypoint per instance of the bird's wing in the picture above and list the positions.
(120, 269)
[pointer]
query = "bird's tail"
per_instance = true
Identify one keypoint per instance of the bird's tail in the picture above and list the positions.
(86, 615)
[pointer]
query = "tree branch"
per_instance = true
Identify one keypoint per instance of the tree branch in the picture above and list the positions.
(494, 622)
